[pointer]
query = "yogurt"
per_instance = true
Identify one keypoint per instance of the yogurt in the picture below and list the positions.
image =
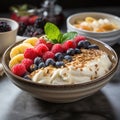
(87, 66)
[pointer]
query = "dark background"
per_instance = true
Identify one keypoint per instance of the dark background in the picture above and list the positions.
(6, 4)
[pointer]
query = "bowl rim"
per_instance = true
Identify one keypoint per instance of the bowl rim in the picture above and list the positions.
(43, 85)
(97, 13)
(12, 21)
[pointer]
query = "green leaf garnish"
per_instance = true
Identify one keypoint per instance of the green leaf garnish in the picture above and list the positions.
(68, 36)
(52, 31)
(54, 34)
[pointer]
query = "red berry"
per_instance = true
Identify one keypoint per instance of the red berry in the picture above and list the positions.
(48, 54)
(19, 69)
(41, 49)
(49, 45)
(30, 53)
(27, 62)
(79, 38)
(69, 44)
(32, 19)
(57, 48)
(14, 17)
(24, 19)
(41, 40)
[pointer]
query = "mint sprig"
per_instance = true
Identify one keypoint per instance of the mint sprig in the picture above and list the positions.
(54, 34)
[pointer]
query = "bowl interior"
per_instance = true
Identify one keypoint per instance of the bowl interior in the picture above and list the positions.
(14, 25)
(112, 55)
(81, 16)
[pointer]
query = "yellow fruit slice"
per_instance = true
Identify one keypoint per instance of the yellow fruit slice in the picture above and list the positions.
(32, 41)
(90, 19)
(16, 60)
(19, 49)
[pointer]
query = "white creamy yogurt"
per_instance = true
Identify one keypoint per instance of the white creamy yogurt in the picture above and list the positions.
(92, 69)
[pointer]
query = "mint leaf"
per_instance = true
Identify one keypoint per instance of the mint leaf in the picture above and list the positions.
(54, 34)
(68, 36)
(52, 31)
(60, 38)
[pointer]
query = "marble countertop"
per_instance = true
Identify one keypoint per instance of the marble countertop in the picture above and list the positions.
(16, 104)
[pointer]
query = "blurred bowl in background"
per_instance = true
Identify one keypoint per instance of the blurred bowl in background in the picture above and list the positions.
(9, 37)
(110, 37)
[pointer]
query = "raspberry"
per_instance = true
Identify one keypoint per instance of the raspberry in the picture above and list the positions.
(27, 62)
(41, 49)
(57, 48)
(41, 40)
(48, 54)
(69, 44)
(49, 45)
(30, 53)
(19, 69)
(79, 38)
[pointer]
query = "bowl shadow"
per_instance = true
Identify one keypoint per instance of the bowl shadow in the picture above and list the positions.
(95, 107)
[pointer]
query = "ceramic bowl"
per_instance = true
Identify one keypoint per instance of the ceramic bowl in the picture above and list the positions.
(110, 37)
(8, 38)
(63, 93)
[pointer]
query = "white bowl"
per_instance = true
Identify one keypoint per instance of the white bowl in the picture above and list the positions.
(8, 38)
(110, 37)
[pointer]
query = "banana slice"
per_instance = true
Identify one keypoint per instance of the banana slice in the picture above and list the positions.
(32, 41)
(15, 60)
(19, 49)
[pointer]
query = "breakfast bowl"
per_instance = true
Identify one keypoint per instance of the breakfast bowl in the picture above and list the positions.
(8, 37)
(96, 25)
(63, 93)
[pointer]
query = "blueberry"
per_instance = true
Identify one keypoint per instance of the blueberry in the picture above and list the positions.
(77, 51)
(42, 64)
(58, 56)
(59, 64)
(27, 77)
(68, 58)
(70, 51)
(38, 60)
(93, 46)
(33, 67)
(49, 61)
(83, 44)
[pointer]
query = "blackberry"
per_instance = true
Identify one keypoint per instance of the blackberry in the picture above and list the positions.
(29, 31)
(38, 32)
(22, 28)
(4, 27)
(39, 23)
(32, 30)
